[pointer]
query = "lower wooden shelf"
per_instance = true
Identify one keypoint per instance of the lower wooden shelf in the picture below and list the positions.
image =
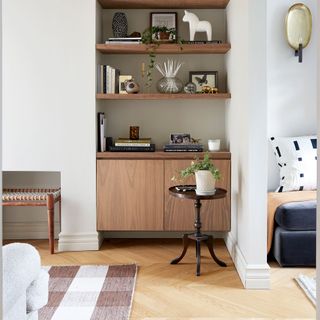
(163, 96)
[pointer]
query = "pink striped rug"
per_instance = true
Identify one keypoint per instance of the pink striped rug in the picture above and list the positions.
(90, 292)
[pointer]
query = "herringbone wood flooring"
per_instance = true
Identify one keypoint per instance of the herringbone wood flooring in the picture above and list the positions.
(165, 291)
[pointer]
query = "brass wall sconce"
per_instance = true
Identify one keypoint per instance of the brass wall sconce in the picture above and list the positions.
(298, 28)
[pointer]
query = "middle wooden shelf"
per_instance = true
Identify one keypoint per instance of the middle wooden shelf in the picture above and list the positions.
(163, 96)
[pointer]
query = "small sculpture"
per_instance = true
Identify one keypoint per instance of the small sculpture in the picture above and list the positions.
(208, 89)
(190, 87)
(131, 86)
(196, 25)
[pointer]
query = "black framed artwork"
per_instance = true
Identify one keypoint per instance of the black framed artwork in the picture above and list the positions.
(204, 78)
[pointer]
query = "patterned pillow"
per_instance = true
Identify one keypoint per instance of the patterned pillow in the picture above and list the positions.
(297, 159)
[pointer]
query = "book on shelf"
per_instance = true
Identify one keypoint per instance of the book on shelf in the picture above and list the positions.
(201, 42)
(194, 147)
(151, 148)
(101, 130)
(124, 142)
(107, 79)
(183, 150)
(129, 40)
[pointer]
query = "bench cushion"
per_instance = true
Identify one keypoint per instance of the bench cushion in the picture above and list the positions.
(297, 215)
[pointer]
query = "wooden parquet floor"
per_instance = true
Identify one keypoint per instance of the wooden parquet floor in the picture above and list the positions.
(173, 292)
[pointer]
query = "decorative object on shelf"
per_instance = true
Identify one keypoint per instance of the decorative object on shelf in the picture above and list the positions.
(206, 175)
(195, 25)
(134, 132)
(169, 83)
(122, 86)
(204, 78)
(190, 87)
(120, 25)
(214, 144)
(182, 142)
(208, 89)
(180, 138)
(131, 86)
(298, 28)
(163, 25)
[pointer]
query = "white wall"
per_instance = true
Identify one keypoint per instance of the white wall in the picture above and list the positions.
(292, 86)
(246, 133)
(49, 104)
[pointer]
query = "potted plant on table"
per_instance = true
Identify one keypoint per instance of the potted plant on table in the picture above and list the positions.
(206, 175)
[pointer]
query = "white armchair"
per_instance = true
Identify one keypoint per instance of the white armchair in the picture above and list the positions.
(25, 284)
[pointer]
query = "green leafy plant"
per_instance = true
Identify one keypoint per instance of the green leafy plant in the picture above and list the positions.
(151, 36)
(204, 164)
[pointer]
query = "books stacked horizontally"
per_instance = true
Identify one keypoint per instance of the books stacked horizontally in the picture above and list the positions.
(128, 40)
(181, 147)
(127, 145)
(107, 79)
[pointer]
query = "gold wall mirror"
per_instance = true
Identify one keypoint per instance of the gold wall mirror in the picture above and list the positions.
(298, 27)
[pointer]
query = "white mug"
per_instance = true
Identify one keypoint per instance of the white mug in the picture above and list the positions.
(214, 145)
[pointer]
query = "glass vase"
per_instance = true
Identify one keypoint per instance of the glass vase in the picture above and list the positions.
(169, 85)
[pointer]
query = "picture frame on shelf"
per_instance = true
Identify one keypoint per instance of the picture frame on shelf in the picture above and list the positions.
(204, 78)
(180, 138)
(122, 87)
(166, 20)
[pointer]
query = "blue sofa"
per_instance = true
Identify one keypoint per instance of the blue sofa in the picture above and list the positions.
(294, 241)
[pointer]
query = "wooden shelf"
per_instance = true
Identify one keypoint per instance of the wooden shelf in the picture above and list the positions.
(165, 4)
(163, 96)
(162, 155)
(168, 48)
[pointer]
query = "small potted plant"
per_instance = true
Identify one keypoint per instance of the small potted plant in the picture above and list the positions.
(206, 175)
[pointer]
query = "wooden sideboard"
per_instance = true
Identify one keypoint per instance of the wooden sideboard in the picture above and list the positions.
(132, 193)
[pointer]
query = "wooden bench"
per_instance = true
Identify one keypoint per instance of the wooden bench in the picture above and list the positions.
(29, 197)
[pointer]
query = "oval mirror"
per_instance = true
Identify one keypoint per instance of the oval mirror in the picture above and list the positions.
(298, 25)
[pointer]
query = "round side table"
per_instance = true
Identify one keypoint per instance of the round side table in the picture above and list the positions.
(179, 192)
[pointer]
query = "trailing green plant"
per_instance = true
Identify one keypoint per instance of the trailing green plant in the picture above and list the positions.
(204, 164)
(151, 37)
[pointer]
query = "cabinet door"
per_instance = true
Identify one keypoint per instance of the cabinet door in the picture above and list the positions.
(130, 194)
(179, 213)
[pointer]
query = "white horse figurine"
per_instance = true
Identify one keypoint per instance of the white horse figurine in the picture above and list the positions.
(196, 25)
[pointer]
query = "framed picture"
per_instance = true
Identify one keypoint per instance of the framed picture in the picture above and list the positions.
(122, 79)
(180, 138)
(167, 20)
(204, 78)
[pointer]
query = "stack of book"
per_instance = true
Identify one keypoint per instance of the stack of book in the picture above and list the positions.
(129, 40)
(107, 79)
(140, 145)
(180, 147)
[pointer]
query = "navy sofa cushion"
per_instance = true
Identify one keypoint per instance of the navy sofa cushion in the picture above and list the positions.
(294, 248)
(297, 215)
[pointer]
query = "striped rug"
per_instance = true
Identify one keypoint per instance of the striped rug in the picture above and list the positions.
(90, 292)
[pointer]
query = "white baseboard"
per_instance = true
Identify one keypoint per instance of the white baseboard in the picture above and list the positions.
(253, 276)
(28, 230)
(79, 241)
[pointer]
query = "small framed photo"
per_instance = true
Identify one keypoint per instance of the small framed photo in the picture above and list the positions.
(165, 20)
(122, 79)
(204, 78)
(180, 138)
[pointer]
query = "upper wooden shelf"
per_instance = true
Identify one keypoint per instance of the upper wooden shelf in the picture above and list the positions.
(163, 96)
(164, 4)
(170, 48)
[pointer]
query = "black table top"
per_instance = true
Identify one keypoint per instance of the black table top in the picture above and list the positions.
(219, 194)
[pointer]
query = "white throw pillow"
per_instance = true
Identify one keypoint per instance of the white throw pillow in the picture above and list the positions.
(297, 159)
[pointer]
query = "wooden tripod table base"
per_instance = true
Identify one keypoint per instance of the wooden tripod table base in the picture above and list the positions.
(197, 235)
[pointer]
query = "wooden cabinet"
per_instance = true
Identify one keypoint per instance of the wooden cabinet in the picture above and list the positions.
(132, 193)
(129, 194)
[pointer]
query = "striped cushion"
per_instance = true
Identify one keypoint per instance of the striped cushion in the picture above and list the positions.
(29, 194)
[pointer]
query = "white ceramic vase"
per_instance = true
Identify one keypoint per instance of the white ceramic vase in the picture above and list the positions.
(205, 183)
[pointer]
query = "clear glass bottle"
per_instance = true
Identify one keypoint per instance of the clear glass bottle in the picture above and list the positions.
(169, 85)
